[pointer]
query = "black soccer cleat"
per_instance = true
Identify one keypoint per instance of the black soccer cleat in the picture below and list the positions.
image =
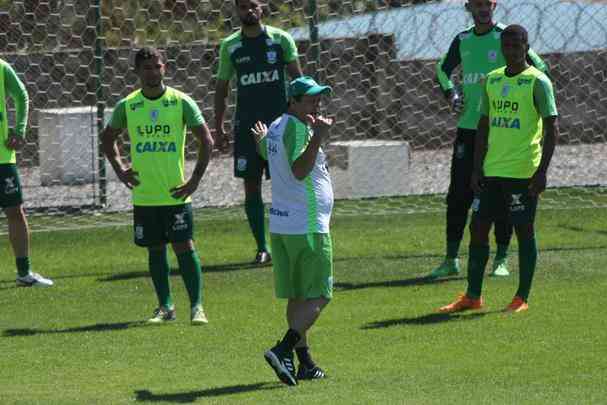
(263, 258)
(282, 364)
(314, 373)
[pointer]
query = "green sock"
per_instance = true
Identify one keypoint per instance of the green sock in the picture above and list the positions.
(502, 252)
(527, 260)
(477, 261)
(159, 269)
(453, 249)
(191, 272)
(23, 266)
(255, 214)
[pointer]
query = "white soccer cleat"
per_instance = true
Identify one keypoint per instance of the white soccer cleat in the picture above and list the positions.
(34, 280)
(198, 316)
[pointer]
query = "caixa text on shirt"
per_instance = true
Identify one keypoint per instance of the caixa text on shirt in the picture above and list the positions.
(279, 213)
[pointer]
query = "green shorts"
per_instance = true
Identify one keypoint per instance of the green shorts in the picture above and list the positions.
(159, 225)
(10, 186)
(248, 164)
(507, 200)
(303, 265)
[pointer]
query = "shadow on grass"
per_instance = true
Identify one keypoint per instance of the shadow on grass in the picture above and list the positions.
(428, 319)
(219, 268)
(98, 327)
(193, 396)
(395, 283)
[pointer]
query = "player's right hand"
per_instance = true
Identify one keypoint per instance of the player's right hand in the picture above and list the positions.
(457, 102)
(14, 142)
(129, 178)
(259, 130)
(222, 143)
(476, 182)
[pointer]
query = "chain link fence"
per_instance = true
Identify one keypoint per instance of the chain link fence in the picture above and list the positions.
(394, 131)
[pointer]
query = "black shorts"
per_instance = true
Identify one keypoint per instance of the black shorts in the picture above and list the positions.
(158, 225)
(248, 164)
(507, 200)
(10, 186)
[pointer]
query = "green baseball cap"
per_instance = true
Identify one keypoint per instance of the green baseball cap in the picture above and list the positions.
(305, 85)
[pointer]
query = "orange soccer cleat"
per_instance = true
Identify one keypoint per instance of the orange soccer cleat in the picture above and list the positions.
(462, 303)
(517, 305)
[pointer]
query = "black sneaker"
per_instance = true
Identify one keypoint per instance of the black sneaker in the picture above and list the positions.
(282, 364)
(162, 315)
(263, 258)
(314, 373)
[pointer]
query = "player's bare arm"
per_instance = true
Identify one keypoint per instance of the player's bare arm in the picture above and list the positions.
(205, 148)
(222, 90)
(305, 163)
(551, 132)
(109, 138)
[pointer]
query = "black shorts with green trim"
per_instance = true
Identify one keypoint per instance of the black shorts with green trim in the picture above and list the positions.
(507, 200)
(159, 225)
(248, 164)
(10, 186)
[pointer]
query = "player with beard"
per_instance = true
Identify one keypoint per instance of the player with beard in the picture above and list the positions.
(259, 56)
(156, 118)
(478, 51)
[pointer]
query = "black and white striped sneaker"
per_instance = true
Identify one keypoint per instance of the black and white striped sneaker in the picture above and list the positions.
(282, 364)
(314, 373)
(162, 315)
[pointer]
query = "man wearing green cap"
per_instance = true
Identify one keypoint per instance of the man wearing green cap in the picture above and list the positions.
(302, 201)
(259, 57)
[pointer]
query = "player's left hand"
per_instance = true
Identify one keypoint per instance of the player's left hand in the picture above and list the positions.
(185, 190)
(537, 184)
(14, 142)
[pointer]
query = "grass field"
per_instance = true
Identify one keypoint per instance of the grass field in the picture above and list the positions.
(83, 342)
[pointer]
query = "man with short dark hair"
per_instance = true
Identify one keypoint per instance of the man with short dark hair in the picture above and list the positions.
(477, 50)
(258, 56)
(516, 138)
(156, 118)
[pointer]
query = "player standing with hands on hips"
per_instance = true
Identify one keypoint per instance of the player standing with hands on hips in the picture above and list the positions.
(156, 118)
(302, 201)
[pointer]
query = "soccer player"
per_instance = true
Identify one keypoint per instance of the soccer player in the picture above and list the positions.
(477, 50)
(11, 197)
(516, 138)
(302, 200)
(257, 55)
(156, 118)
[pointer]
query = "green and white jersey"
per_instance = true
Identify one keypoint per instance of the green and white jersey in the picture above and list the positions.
(477, 55)
(298, 206)
(157, 134)
(259, 65)
(515, 107)
(13, 87)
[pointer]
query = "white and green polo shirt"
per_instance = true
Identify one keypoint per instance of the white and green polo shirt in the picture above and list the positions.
(298, 206)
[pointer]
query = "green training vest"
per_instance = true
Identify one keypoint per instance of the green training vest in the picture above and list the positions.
(157, 134)
(515, 125)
